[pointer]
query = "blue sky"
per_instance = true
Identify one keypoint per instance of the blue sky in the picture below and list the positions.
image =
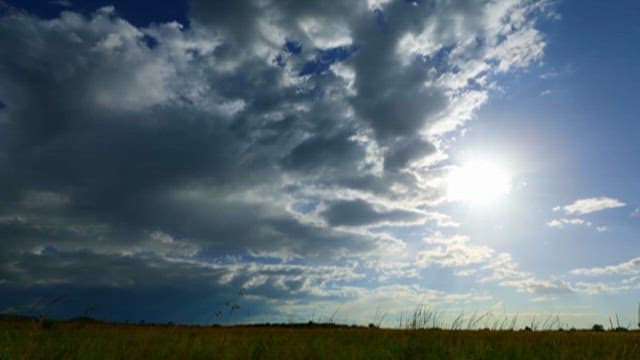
(164, 162)
(578, 112)
(578, 115)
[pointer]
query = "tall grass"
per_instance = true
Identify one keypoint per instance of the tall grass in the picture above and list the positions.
(66, 340)
(423, 318)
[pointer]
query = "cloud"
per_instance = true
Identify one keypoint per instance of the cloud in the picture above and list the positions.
(145, 156)
(62, 3)
(359, 212)
(500, 269)
(545, 288)
(582, 207)
(560, 223)
(454, 251)
(85, 268)
(593, 288)
(631, 267)
(366, 304)
(636, 212)
(591, 205)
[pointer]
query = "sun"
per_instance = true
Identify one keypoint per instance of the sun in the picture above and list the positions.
(479, 182)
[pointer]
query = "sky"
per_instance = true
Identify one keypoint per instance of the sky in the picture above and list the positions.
(250, 161)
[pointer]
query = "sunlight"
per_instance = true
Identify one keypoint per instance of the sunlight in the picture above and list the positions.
(478, 182)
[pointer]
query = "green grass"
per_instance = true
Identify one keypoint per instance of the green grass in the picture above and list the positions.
(29, 340)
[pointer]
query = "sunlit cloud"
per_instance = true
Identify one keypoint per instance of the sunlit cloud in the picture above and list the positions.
(590, 205)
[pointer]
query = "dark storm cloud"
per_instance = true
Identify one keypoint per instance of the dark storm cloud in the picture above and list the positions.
(360, 212)
(406, 150)
(334, 151)
(118, 165)
(129, 149)
(85, 268)
(139, 13)
(102, 285)
(144, 287)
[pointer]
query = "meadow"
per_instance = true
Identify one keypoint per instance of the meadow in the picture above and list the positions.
(33, 339)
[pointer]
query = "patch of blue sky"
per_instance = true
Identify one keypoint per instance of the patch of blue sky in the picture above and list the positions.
(327, 57)
(293, 47)
(438, 61)
(305, 207)
(150, 41)
(380, 19)
(49, 250)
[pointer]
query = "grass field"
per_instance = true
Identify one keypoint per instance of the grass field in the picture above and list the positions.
(69, 340)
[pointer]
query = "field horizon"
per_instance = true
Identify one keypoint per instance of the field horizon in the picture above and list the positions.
(85, 338)
(416, 320)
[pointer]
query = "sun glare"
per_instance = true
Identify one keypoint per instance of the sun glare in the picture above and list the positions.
(478, 182)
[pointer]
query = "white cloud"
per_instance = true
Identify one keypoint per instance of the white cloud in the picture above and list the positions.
(364, 305)
(538, 287)
(560, 223)
(631, 267)
(519, 49)
(593, 288)
(501, 268)
(590, 205)
(549, 75)
(453, 251)
(583, 207)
